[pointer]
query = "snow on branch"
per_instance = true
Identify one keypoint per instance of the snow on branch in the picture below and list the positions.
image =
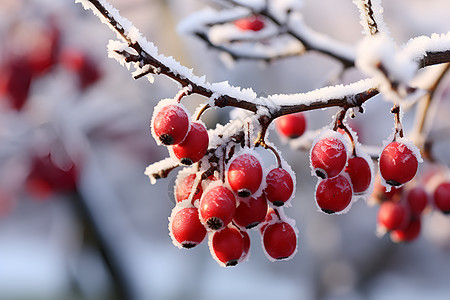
(135, 49)
(371, 13)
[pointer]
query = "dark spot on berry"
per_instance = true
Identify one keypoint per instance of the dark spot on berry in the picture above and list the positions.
(244, 193)
(321, 173)
(393, 182)
(186, 161)
(278, 203)
(250, 226)
(188, 245)
(281, 258)
(214, 223)
(328, 211)
(294, 136)
(166, 139)
(232, 263)
(447, 212)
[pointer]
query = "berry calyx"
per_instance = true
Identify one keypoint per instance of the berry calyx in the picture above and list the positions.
(328, 157)
(250, 212)
(245, 175)
(398, 164)
(254, 23)
(217, 207)
(360, 174)
(194, 145)
(279, 240)
(185, 228)
(334, 194)
(227, 246)
(280, 186)
(292, 125)
(183, 189)
(442, 197)
(171, 124)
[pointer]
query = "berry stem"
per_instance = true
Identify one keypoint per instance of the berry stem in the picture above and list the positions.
(398, 123)
(339, 123)
(201, 111)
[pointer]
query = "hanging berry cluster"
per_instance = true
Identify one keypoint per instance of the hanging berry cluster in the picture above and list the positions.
(226, 190)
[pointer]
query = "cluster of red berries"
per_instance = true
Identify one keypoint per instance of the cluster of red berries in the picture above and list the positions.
(342, 173)
(226, 209)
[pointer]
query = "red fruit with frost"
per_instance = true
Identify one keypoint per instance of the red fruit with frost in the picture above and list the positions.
(186, 229)
(409, 233)
(398, 164)
(254, 23)
(417, 199)
(245, 175)
(334, 194)
(328, 157)
(379, 193)
(292, 125)
(360, 174)
(246, 239)
(279, 240)
(194, 145)
(227, 246)
(184, 188)
(171, 124)
(250, 212)
(217, 207)
(392, 215)
(270, 216)
(442, 197)
(280, 186)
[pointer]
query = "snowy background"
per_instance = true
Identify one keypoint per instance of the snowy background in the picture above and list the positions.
(46, 249)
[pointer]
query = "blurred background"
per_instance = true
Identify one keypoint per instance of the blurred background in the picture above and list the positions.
(80, 220)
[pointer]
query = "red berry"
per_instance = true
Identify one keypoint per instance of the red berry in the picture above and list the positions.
(334, 194)
(379, 193)
(245, 175)
(171, 124)
(280, 186)
(217, 207)
(280, 240)
(227, 246)
(84, 66)
(398, 164)
(292, 125)
(15, 82)
(392, 215)
(194, 146)
(254, 23)
(328, 157)
(183, 189)
(186, 229)
(360, 174)
(409, 233)
(250, 212)
(417, 199)
(442, 197)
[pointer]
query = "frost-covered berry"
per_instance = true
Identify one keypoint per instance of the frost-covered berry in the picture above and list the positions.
(442, 197)
(360, 174)
(254, 23)
(398, 164)
(271, 215)
(292, 125)
(279, 241)
(227, 246)
(334, 194)
(328, 157)
(246, 252)
(185, 227)
(171, 124)
(183, 189)
(380, 194)
(280, 186)
(409, 233)
(417, 199)
(217, 207)
(194, 146)
(250, 212)
(392, 215)
(245, 175)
